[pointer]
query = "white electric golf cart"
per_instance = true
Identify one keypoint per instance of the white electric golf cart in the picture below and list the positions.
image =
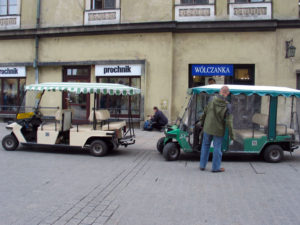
(100, 135)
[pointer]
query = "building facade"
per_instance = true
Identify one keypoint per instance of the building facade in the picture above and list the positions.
(161, 46)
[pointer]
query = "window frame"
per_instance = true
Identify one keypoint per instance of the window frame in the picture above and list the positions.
(249, 1)
(194, 3)
(8, 4)
(103, 5)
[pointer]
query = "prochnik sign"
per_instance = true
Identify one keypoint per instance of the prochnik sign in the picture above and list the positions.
(212, 70)
(12, 72)
(118, 70)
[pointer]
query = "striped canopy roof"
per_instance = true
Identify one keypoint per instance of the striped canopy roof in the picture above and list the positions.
(85, 88)
(247, 90)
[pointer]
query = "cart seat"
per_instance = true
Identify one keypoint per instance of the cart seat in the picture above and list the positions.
(282, 130)
(257, 118)
(114, 125)
(63, 119)
(102, 117)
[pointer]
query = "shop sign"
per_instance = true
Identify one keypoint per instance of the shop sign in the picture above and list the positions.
(12, 71)
(212, 70)
(118, 70)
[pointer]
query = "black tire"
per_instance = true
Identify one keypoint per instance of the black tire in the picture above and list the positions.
(273, 153)
(160, 145)
(10, 143)
(171, 151)
(98, 148)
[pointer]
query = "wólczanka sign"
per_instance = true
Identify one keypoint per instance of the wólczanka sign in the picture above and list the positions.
(212, 70)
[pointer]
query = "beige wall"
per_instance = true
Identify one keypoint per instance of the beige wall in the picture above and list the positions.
(285, 9)
(56, 13)
(221, 9)
(146, 10)
(28, 14)
(17, 50)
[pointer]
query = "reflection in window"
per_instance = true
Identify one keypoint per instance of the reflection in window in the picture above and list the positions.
(103, 4)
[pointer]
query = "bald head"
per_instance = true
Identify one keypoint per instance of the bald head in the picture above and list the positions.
(224, 91)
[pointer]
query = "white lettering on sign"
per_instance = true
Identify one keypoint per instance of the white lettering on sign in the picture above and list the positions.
(118, 70)
(212, 69)
(12, 72)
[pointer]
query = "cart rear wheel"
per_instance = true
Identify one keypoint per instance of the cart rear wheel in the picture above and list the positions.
(171, 151)
(98, 148)
(160, 145)
(10, 143)
(273, 154)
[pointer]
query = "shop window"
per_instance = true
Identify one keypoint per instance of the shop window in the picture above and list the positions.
(12, 93)
(119, 105)
(243, 74)
(8, 7)
(103, 4)
(194, 2)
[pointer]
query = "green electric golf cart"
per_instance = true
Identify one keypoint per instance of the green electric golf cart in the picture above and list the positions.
(265, 122)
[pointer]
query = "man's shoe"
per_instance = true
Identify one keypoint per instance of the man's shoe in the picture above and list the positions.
(218, 171)
(202, 169)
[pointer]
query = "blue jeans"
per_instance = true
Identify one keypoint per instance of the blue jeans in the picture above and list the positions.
(217, 154)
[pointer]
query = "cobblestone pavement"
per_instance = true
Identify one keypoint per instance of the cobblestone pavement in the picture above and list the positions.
(135, 185)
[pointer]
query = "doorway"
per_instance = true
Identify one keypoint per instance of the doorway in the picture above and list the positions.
(79, 103)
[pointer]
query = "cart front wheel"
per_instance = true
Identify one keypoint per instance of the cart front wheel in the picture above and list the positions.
(171, 151)
(273, 154)
(98, 148)
(10, 143)
(160, 145)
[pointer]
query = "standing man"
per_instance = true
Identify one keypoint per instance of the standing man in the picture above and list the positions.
(159, 120)
(216, 116)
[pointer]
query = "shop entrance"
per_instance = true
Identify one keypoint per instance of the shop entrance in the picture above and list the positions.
(79, 103)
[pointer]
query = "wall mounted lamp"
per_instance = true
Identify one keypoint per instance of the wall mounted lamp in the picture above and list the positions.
(290, 49)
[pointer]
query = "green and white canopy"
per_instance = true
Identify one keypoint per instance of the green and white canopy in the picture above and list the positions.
(248, 90)
(85, 88)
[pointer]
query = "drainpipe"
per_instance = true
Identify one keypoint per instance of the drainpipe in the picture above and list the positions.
(37, 42)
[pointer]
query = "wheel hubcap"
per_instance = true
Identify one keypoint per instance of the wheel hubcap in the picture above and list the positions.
(275, 155)
(97, 148)
(9, 143)
(173, 152)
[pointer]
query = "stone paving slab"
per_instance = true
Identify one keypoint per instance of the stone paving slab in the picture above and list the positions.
(135, 185)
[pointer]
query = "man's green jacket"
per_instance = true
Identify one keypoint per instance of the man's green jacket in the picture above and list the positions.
(217, 116)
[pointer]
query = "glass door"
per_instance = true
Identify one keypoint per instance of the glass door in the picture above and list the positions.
(79, 103)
